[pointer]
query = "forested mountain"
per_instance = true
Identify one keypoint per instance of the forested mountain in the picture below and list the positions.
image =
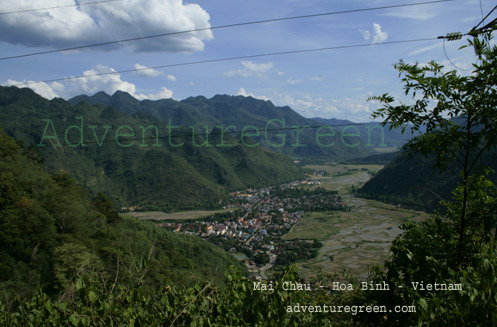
(416, 181)
(239, 112)
(52, 232)
(150, 166)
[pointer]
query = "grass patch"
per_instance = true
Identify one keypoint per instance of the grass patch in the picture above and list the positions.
(315, 225)
(181, 215)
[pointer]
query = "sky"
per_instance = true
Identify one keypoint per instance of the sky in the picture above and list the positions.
(328, 84)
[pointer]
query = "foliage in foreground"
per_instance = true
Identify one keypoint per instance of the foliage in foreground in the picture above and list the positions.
(457, 111)
(458, 247)
(204, 305)
(428, 252)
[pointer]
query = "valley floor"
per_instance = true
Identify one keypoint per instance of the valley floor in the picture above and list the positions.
(354, 239)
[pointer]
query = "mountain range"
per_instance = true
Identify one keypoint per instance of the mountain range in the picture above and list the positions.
(170, 154)
(106, 150)
(243, 112)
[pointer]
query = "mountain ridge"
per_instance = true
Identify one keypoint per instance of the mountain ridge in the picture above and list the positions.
(240, 112)
(143, 169)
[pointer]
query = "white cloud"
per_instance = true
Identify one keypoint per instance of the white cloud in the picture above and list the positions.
(293, 81)
(244, 93)
(164, 93)
(317, 78)
(455, 64)
(147, 72)
(91, 84)
(379, 36)
(304, 104)
(366, 35)
(172, 78)
(47, 91)
(425, 49)
(251, 69)
(357, 109)
(418, 13)
(72, 26)
(471, 19)
(108, 83)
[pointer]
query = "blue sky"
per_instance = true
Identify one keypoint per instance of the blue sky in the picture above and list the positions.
(328, 84)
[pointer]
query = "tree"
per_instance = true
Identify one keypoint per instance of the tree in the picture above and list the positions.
(460, 117)
(105, 206)
(72, 262)
(457, 247)
(426, 253)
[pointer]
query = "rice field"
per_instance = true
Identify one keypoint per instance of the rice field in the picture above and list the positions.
(356, 239)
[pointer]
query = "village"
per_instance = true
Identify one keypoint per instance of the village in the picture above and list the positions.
(254, 221)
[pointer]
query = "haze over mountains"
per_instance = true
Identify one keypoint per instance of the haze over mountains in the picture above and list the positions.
(390, 137)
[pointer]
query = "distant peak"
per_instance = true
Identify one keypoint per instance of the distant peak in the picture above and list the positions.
(101, 93)
(120, 93)
(238, 99)
(201, 97)
(221, 97)
(332, 121)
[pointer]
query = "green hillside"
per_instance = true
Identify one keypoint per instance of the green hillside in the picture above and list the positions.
(147, 168)
(415, 182)
(53, 232)
(239, 112)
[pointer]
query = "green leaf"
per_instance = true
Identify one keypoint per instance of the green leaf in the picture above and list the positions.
(74, 320)
(92, 296)
(423, 304)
